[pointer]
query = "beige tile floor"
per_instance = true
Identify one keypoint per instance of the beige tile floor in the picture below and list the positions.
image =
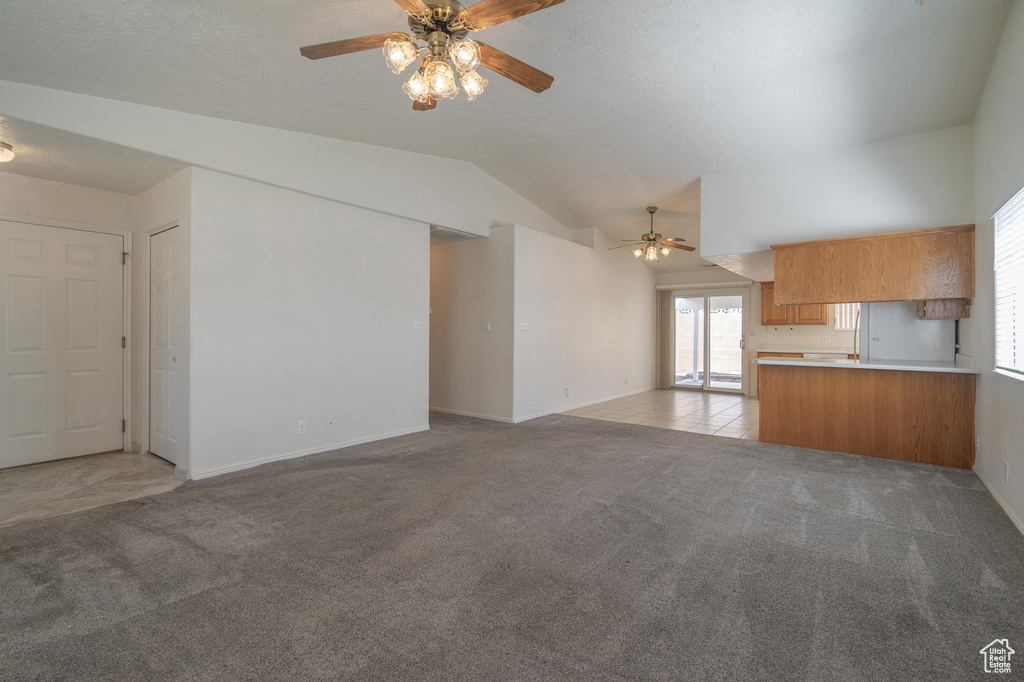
(720, 414)
(38, 491)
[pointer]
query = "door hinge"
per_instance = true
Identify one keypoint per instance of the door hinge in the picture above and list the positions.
(123, 342)
(124, 426)
(124, 257)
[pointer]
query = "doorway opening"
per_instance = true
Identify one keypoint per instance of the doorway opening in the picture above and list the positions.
(708, 340)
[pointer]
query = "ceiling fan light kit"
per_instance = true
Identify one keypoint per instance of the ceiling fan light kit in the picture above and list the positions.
(6, 152)
(652, 242)
(443, 25)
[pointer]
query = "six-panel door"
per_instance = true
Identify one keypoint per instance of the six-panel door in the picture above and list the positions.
(61, 313)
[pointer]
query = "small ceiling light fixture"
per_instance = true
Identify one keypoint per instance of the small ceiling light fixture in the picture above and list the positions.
(6, 152)
(652, 242)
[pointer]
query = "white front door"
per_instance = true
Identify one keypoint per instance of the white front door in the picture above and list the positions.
(167, 336)
(61, 325)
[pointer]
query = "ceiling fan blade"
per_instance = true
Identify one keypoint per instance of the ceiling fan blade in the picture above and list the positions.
(348, 46)
(513, 69)
(413, 7)
(673, 239)
(493, 12)
(677, 246)
(424, 106)
(626, 246)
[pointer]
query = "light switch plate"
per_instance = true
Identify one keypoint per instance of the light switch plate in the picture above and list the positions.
(486, 326)
(417, 324)
(523, 326)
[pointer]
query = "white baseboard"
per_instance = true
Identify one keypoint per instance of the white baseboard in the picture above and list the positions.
(302, 453)
(576, 406)
(1002, 503)
(504, 420)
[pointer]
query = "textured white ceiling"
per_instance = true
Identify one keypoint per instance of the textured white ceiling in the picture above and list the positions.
(648, 96)
(50, 154)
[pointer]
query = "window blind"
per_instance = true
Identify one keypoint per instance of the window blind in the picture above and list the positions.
(846, 316)
(1009, 280)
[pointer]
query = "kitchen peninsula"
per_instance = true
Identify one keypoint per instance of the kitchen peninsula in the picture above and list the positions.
(903, 396)
(912, 411)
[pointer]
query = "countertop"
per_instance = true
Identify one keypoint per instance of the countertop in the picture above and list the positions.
(779, 348)
(897, 365)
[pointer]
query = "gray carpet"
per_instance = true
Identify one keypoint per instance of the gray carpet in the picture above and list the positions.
(562, 548)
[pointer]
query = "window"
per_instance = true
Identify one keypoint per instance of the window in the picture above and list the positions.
(846, 316)
(1009, 268)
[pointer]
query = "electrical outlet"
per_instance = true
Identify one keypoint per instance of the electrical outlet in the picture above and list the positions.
(330, 423)
(625, 382)
(523, 326)
(417, 324)
(566, 393)
(486, 326)
(826, 339)
(977, 444)
(301, 428)
(1006, 471)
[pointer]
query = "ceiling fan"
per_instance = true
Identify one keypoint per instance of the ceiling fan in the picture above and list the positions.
(652, 242)
(443, 25)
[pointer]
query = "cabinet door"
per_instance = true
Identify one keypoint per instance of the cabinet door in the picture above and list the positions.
(772, 314)
(810, 313)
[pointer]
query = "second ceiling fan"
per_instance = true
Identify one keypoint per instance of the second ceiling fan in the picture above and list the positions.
(443, 26)
(652, 242)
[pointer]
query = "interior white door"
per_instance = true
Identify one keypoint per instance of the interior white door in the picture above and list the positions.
(62, 320)
(167, 353)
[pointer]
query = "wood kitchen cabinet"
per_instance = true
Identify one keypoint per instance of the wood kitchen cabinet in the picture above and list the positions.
(784, 315)
(900, 266)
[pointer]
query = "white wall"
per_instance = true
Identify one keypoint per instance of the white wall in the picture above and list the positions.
(998, 175)
(302, 308)
(471, 282)
(696, 277)
(45, 199)
(387, 180)
(907, 183)
(164, 205)
(590, 315)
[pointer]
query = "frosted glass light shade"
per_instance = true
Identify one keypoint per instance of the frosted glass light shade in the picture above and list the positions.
(399, 53)
(6, 152)
(465, 54)
(651, 254)
(473, 83)
(417, 87)
(665, 251)
(441, 80)
(638, 252)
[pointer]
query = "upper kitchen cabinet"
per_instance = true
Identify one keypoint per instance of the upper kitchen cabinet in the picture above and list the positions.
(782, 315)
(900, 266)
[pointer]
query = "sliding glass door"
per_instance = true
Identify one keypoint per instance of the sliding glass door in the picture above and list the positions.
(708, 345)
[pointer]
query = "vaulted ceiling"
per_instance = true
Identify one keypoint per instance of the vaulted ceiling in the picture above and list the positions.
(648, 96)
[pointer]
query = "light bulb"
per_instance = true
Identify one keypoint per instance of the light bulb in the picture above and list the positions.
(474, 83)
(441, 80)
(652, 254)
(417, 88)
(638, 252)
(399, 53)
(665, 251)
(465, 54)
(6, 152)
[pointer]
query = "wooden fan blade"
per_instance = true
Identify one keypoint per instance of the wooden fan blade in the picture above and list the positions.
(626, 246)
(414, 7)
(673, 239)
(677, 246)
(424, 106)
(348, 46)
(493, 12)
(513, 69)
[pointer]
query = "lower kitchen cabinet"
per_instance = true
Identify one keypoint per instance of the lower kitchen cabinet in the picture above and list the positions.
(914, 416)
